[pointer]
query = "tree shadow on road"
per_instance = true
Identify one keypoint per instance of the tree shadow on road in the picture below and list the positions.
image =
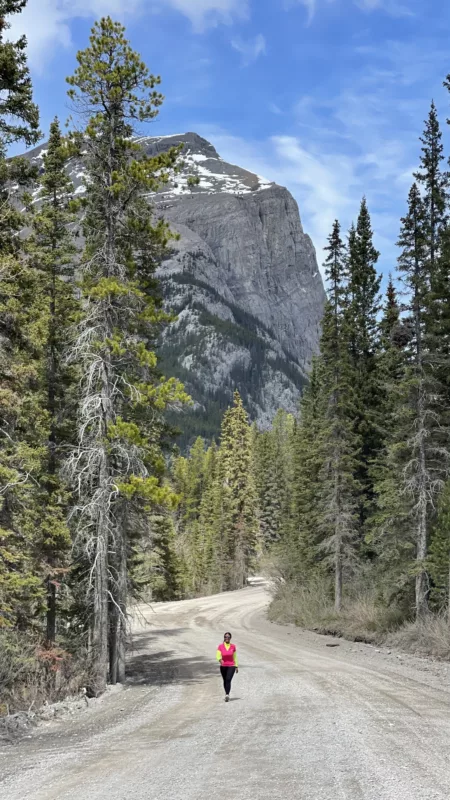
(159, 668)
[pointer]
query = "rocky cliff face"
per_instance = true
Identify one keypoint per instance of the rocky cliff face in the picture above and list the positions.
(244, 281)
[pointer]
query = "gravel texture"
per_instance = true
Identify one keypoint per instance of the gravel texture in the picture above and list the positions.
(306, 722)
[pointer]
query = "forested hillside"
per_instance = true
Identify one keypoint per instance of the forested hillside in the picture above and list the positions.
(350, 499)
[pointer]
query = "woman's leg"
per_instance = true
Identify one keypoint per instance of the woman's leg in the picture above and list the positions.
(223, 672)
(228, 679)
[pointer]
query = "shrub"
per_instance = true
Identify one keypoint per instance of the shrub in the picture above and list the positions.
(31, 673)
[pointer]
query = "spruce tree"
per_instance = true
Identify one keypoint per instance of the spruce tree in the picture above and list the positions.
(51, 252)
(19, 122)
(394, 339)
(273, 467)
(419, 454)
(302, 552)
(339, 491)
(240, 507)
(389, 529)
(434, 182)
(211, 522)
(362, 319)
(118, 466)
(155, 570)
(440, 311)
(439, 555)
(22, 420)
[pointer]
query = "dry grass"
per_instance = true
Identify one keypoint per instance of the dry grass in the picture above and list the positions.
(427, 637)
(310, 606)
(362, 619)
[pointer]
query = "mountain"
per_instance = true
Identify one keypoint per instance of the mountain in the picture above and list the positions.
(243, 280)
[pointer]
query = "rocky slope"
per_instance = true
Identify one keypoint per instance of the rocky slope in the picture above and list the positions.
(244, 281)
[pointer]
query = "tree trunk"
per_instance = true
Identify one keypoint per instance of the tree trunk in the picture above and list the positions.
(338, 572)
(422, 538)
(100, 610)
(338, 568)
(52, 465)
(101, 566)
(448, 591)
(51, 611)
(422, 500)
(118, 606)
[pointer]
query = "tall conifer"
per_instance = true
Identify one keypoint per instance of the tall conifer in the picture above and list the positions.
(21, 417)
(51, 251)
(434, 181)
(339, 442)
(117, 466)
(362, 320)
(419, 455)
(240, 517)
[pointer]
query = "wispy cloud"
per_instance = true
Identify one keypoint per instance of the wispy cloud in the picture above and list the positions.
(391, 7)
(46, 23)
(250, 49)
(371, 126)
(325, 184)
(311, 6)
(209, 13)
(394, 8)
(275, 109)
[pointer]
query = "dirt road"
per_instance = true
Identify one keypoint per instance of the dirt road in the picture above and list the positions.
(306, 722)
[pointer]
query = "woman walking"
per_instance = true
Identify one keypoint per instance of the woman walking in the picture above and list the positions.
(227, 657)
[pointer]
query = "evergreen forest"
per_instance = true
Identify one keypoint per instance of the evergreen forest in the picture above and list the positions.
(346, 505)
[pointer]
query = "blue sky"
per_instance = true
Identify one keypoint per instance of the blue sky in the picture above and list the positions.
(327, 97)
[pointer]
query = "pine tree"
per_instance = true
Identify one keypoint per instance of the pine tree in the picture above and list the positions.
(339, 493)
(155, 573)
(389, 529)
(211, 522)
(362, 319)
(273, 468)
(239, 508)
(51, 251)
(419, 455)
(394, 339)
(118, 466)
(435, 187)
(302, 550)
(440, 311)
(21, 418)
(192, 479)
(19, 122)
(439, 558)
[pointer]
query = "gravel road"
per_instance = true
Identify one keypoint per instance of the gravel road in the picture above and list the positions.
(307, 721)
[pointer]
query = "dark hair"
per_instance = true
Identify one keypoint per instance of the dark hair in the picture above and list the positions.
(227, 633)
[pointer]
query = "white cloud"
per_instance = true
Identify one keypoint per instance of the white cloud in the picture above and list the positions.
(391, 7)
(46, 23)
(209, 13)
(310, 7)
(250, 49)
(274, 109)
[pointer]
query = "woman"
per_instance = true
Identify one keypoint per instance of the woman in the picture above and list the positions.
(227, 657)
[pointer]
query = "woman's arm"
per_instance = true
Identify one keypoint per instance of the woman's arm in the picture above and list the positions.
(235, 659)
(219, 657)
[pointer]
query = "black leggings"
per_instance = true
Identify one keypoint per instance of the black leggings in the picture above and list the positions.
(227, 675)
